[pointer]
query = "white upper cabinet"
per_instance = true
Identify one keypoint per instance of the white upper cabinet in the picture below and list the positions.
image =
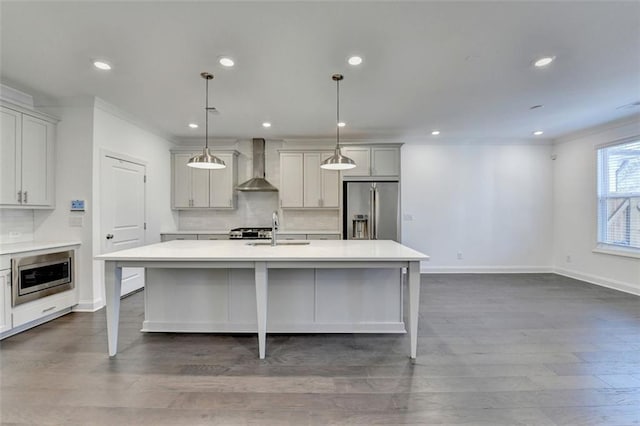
(373, 161)
(202, 188)
(27, 159)
(385, 161)
(362, 157)
(222, 183)
(291, 179)
(303, 184)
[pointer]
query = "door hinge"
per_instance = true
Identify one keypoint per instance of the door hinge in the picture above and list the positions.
(145, 225)
(145, 178)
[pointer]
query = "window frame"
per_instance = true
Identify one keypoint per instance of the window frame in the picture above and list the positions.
(601, 210)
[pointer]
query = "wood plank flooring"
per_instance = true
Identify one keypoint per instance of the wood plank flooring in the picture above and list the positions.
(536, 349)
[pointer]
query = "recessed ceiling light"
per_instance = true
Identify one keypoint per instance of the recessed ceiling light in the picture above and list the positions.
(543, 62)
(193, 125)
(102, 65)
(266, 124)
(538, 133)
(226, 61)
(435, 132)
(355, 60)
(342, 124)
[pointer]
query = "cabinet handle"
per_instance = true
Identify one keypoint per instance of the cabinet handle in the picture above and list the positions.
(48, 309)
(20, 197)
(25, 197)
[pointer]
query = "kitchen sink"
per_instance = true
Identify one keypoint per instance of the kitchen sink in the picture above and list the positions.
(279, 243)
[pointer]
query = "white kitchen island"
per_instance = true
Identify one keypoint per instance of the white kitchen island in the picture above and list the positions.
(232, 286)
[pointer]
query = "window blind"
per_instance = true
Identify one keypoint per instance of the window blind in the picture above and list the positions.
(619, 195)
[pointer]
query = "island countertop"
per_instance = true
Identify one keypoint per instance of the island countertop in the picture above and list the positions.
(242, 250)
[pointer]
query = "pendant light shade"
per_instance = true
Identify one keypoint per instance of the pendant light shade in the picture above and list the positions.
(206, 160)
(338, 161)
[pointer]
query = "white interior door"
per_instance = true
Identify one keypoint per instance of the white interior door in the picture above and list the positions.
(122, 213)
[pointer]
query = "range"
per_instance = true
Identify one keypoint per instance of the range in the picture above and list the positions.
(254, 233)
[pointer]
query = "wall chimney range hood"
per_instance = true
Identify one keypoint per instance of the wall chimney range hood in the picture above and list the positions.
(258, 182)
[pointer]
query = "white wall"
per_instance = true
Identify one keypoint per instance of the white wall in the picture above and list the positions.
(115, 132)
(73, 181)
(575, 209)
(492, 203)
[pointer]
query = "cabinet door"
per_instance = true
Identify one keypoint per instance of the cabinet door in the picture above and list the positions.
(291, 180)
(312, 180)
(361, 156)
(181, 181)
(10, 159)
(385, 161)
(213, 236)
(222, 183)
(199, 187)
(330, 185)
(37, 161)
(5, 300)
(171, 237)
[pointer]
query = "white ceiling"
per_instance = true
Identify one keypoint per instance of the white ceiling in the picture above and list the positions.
(461, 67)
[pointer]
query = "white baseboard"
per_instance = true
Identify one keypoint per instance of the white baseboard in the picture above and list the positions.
(601, 281)
(486, 270)
(88, 305)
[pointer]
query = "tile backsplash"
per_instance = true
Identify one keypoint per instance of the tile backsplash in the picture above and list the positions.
(254, 209)
(16, 226)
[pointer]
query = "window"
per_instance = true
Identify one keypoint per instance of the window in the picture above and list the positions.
(619, 195)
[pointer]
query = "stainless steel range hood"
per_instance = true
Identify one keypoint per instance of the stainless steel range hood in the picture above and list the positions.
(258, 182)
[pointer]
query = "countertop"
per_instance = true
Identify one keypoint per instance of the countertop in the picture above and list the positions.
(12, 248)
(225, 232)
(239, 250)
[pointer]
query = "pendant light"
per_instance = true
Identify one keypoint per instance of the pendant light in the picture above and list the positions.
(206, 160)
(338, 161)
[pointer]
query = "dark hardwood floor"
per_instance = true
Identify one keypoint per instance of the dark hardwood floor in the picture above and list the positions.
(535, 349)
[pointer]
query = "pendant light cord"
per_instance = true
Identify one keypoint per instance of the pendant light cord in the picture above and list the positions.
(206, 116)
(337, 114)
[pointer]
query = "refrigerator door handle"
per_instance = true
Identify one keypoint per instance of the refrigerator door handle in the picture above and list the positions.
(372, 213)
(377, 213)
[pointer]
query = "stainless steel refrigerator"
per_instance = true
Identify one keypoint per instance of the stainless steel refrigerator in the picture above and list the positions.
(371, 210)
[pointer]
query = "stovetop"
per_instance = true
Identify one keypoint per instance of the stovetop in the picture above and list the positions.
(250, 233)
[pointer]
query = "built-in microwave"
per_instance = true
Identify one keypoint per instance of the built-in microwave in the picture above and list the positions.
(39, 276)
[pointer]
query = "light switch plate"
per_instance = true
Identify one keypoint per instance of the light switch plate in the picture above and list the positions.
(77, 205)
(76, 221)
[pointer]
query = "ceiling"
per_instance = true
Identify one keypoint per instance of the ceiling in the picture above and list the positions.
(464, 68)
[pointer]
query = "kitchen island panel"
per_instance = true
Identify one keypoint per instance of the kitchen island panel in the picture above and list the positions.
(299, 301)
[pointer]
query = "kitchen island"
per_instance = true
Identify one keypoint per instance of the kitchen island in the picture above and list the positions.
(230, 286)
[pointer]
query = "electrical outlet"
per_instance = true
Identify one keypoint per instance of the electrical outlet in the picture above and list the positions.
(459, 255)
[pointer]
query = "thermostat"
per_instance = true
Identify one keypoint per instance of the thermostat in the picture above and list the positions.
(77, 205)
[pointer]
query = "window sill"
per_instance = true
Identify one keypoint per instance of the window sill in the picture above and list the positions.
(617, 251)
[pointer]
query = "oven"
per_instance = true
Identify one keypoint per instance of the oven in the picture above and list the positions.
(253, 233)
(39, 276)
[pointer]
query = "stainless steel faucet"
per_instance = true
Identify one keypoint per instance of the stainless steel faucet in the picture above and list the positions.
(275, 225)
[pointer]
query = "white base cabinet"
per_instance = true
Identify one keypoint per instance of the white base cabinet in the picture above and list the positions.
(5, 300)
(27, 158)
(300, 301)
